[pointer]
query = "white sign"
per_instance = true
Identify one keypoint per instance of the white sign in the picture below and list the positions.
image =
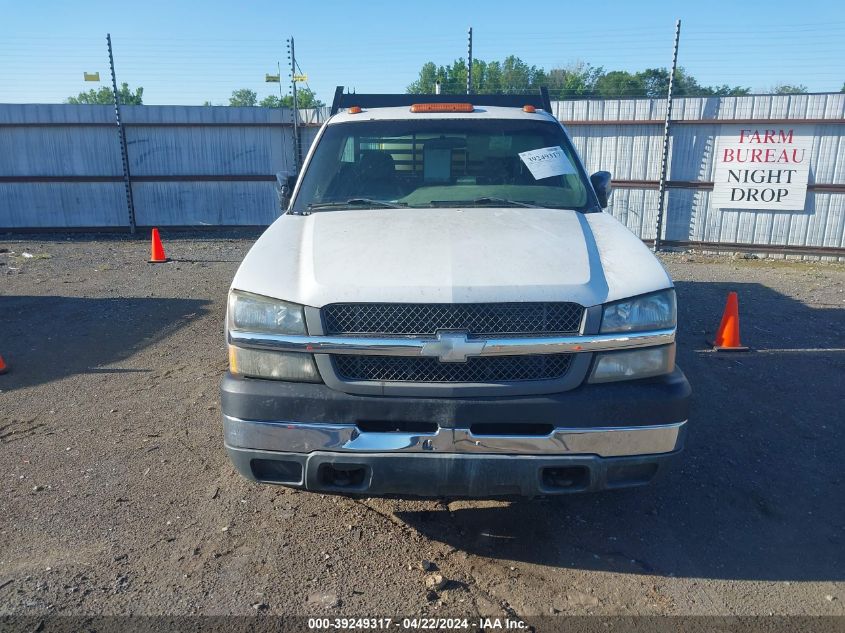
(547, 162)
(762, 167)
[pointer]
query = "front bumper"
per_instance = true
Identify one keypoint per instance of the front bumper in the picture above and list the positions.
(591, 438)
(445, 475)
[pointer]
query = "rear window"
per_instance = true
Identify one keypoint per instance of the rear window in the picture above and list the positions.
(447, 162)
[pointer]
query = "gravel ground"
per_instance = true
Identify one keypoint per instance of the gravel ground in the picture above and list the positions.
(116, 496)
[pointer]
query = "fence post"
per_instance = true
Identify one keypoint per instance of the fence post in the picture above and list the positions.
(469, 61)
(124, 154)
(297, 151)
(664, 156)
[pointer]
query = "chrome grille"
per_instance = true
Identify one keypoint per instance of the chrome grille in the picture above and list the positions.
(477, 319)
(429, 370)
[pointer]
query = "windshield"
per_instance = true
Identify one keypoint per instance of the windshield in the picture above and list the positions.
(445, 162)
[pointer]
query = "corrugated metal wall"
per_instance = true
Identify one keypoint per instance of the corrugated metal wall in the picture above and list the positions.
(189, 165)
(625, 138)
(214, 165)
(44, 148)
(213, 159)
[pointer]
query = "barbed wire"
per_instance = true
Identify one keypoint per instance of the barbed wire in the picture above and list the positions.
(191, 70)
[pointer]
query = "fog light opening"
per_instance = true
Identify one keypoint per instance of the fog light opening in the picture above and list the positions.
(631, 475)
(276, 471)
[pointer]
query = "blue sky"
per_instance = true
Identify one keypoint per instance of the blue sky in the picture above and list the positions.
(189, 52)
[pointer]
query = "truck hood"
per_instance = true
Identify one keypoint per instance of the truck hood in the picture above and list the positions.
(447, 255)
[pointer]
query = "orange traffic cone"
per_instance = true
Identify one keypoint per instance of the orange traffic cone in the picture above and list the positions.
(157, 255)
(727, 337)
(3, 367)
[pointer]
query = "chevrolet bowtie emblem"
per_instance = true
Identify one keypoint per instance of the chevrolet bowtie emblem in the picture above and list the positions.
(452, 347)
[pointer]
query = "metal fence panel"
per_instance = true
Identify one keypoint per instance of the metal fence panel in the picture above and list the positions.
(189, 165)
(207, 166)
(64, 205)
(59, 151)
(60, 166)
(624, 137)
(205, 203)
(225, 141)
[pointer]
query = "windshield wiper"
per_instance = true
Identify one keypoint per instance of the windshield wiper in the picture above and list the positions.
(516, 203)
(484, 200)
(355, 202)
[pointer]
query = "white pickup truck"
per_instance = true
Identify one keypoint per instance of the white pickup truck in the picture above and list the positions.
(445, 310)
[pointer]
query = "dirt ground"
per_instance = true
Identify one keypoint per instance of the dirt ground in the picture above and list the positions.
(116, 496)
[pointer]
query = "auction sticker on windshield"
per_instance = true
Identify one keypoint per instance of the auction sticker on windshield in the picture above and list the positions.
(547, 162)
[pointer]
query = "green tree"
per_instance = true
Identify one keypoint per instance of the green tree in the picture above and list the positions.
(687, 86)
(725, 90)
(576, 80)
(789, 89)
(492, 78)
(425, 83)
(272, 101)
(511, 75)
(305, 98)
(843, 88)
(655, 81)
(619, 84)
(656, 84)
(243, 97)
(104, 96)
(480, 76)
(518, 76)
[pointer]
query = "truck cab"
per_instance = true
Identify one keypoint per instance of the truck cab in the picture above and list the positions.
(445, 310)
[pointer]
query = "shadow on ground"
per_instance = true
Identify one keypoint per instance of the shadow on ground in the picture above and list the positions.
(48, 338)
(756, 495)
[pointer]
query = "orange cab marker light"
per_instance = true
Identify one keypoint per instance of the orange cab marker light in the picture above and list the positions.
(529, 108)
(442, 107)
(354, 110)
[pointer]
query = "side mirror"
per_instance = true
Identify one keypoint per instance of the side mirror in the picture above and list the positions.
(601, 183)
(285, 182)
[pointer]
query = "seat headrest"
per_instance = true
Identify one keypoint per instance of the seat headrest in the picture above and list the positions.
(376, 162)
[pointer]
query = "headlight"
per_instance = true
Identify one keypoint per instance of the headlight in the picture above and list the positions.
(653, 311)
(254, 313)
(633, 364)
(257, 363)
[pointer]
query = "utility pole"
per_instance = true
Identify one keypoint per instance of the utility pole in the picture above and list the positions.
(297, 158)
(124, 154)
(664, 156)
(469, 60)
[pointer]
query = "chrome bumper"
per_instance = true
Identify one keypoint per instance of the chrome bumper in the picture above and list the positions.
(295, 437)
